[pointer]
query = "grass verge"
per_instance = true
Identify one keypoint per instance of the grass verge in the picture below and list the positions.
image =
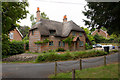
(109, 71)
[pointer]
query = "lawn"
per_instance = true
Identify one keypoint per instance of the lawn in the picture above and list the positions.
(109, 71)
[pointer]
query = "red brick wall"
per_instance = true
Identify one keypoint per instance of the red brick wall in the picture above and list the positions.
(16, 35)
(45, 47)
(100, 33)
(33, 38)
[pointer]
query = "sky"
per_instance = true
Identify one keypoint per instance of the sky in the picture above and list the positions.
(56, 9)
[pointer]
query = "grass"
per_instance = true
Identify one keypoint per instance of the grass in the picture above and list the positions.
(109, 71)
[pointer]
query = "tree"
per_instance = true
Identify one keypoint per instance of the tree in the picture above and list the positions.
(101, 14)
(24, 30)
(42, 15)
(90, 37)
(11, 13)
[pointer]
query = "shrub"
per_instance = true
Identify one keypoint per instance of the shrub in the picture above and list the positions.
(88, 46)
(16, 47)
(60, 50)
(26, 42)
(52, 56)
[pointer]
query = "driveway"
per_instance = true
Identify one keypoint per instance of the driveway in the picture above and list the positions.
(43, 70)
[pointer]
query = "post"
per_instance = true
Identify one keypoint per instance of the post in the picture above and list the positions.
(80, 64)
(55, 68)
(73, 74)
(104, 60)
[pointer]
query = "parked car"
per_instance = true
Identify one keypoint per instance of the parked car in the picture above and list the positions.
(94, 46)
(99, 45)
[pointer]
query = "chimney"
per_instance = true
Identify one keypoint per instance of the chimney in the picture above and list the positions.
(65, 18)
(37, 15)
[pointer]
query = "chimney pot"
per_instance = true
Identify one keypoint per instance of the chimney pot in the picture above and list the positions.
(65, 18)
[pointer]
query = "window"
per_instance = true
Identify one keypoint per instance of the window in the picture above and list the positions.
(59, 43)
(52, 32)
(80, 34)
(81, 43)
(11, 35)
(73, 33)
(51, 43)
(32, 32)
(63, 44)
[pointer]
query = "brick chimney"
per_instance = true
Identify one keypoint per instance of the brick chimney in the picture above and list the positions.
(65, 18)
(37, 15)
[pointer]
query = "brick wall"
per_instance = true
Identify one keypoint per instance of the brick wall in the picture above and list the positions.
(33, 38)
(16, 35)
(45, 47)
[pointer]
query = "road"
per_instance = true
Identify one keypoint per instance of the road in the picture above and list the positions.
(43, 70)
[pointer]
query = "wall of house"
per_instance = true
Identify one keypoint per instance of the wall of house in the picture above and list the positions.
(16, 35)
(34, 38)
(100, 33)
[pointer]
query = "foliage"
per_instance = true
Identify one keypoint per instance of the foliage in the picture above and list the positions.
(16, 47)
(41, 42)
(101, 14)
(12, 48)
(68, 40)
(60, 50)
(26, 42)
(99, 38)
(24, 30)
(5, 44)
(111, 73)
(42, 15)
(88, 46)
(53, 56)
(11, 13)
(90, 37)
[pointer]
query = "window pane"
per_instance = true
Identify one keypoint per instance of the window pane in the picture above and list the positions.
(59, 43)
(51, 43)
(63, 44)
(81, 43)
(80, 34)
(73, 33)
(11, 35)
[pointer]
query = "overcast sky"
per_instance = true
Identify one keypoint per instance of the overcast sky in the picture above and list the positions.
(56, 9)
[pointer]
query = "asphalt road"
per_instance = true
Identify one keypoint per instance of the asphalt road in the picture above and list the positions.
(43, 70)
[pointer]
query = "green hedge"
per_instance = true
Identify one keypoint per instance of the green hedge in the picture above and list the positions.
(53, 56)
(16, 47)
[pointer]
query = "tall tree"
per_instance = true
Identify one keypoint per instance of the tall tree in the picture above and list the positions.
(11, 13)
(101, 14)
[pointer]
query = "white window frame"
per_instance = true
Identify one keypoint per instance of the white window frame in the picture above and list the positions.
(11, 35)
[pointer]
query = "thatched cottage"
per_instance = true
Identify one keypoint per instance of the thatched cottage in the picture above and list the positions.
(50, 35)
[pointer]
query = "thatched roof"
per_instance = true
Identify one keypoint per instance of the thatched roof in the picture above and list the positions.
(62, 28)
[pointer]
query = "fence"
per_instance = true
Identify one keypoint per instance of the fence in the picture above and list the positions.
(59, 66)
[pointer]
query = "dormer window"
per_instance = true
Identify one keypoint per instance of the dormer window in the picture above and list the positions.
(52, 32)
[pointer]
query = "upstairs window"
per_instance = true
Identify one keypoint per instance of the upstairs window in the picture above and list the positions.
(80, 34)
(11, 35)
(73, 33)
(52, 32)
(51, 43)
(81, 43)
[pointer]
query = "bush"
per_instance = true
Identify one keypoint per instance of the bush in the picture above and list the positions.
(60, 50)
(52, 56)
(88, 46)
(27, 44)
(16, 47)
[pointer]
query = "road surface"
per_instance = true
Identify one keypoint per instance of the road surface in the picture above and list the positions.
(43, 70)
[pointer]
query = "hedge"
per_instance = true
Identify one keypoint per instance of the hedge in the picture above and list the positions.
(15, 47)
(53, 56)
